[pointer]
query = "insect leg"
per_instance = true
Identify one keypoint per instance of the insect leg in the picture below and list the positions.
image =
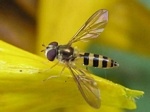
(55, 76)
(49, 68)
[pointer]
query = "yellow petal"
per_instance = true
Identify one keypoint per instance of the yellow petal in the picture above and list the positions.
(127, 29)
(22, 87)
(60, 20)
(85, 108)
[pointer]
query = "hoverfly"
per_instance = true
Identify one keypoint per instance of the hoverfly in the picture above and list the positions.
(69, 56)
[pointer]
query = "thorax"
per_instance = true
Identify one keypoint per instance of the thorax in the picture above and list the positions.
(66, 53)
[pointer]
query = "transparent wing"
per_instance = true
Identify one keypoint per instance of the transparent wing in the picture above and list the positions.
(92, 27)
(87, 86)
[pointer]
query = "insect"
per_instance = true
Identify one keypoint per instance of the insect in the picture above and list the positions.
(70, 56)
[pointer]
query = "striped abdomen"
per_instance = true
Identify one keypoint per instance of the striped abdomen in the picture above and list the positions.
(96, 60)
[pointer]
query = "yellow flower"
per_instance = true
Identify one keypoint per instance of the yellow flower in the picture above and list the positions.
(22, 86)
(21, 73)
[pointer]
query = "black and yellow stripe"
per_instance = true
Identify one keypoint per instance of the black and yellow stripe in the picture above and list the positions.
(96, 60)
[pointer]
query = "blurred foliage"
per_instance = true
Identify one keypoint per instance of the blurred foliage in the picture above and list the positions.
(146, 3)
(30, 23)
(16, 27)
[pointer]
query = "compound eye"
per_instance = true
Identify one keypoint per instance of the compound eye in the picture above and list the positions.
(51, 54)
(54, 44)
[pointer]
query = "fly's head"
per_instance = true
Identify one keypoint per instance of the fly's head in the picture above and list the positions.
(51, 51)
